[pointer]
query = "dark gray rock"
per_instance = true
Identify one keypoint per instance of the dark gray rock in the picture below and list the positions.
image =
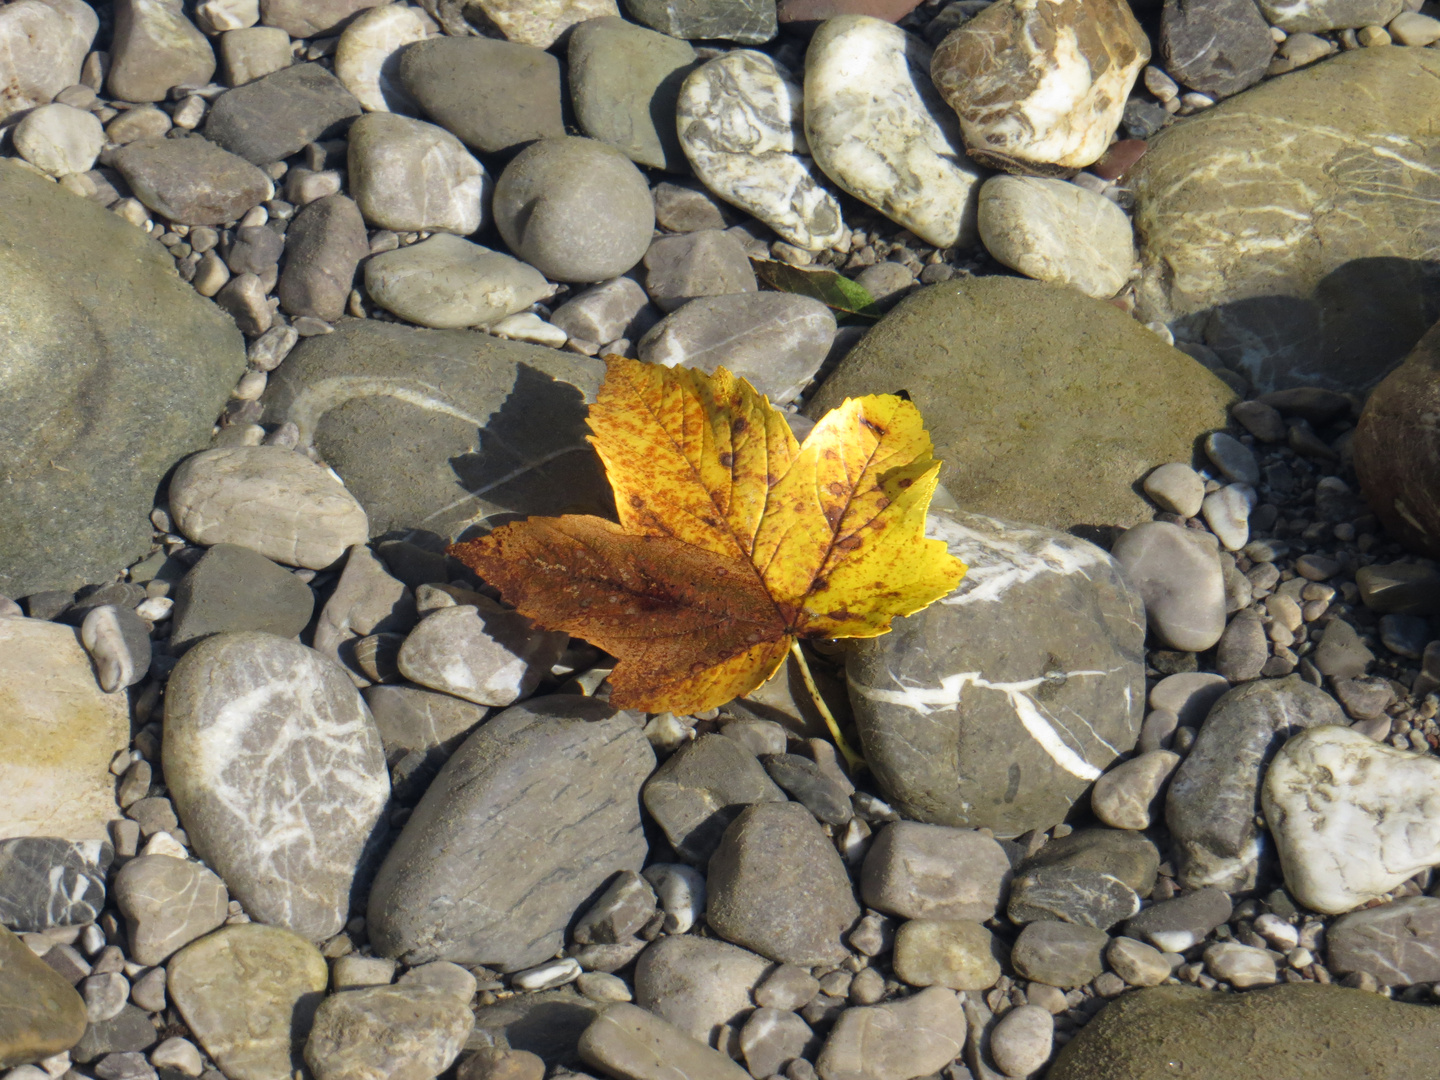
(622, 910)
(192, 180)
(746, 22)
(94, 303)
(490, 94)
(526, 821)
(411, 719)
(1400, 588)
(701, 789)
(1243, 647)
(1214, 794)
(410, 453)
(624, 80)
(1084, 897)
(999, 705)
(1216, 48)
(709, 262)
(548, 1024)
(805, 782)
(698, 984)
(1059, 954)
(275, 116)
(777, 886)
(366, 601)
(934, 872)
(233, 588)
(310, 18)
(277, 772)
(256, 250)
(45, 881)
(128, 1031)
(1176, 924)
(1398, 943)
(324, 245)
(1341, 654)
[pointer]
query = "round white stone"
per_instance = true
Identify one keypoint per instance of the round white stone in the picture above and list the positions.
(1177, 488)
(367, 57)
(59, 139)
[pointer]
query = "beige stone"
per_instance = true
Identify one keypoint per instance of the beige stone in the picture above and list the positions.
(42, 49)
(367, 57)
(541, 22)
(956, 953)
(1040, 86)
(58, 735)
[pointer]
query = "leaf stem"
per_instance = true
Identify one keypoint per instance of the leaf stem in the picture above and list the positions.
(853, 760)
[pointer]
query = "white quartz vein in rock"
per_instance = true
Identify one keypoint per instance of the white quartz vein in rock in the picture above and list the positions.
(1037, 723)
(997, 565)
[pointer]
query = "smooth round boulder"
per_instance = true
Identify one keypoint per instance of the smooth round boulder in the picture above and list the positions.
(1178, 574)
(575, 209)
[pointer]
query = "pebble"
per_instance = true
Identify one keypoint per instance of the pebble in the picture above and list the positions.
(875, 125)
(807, 783)
(1341, 654)
(406, 1032)
(957, 953)
(245, 298)
(602, 987)
(1175, 925)
(700, 985)
(603, 313)
(919, 871)
(697, 264)
(155, 48)
(1053, 230)
(632, 1043)
(1135, 962)
(236, 706)
(105, 995)
(273, 117)
(1227, 512)
(576, 209)
(192, 181)
(1393, 943)
(250, 495)
(778, 887)
(493, 95)
(167, 903)
(915, 1036)
(353, 971)
(51, 882)
(740, 119)
(1233, 458)
(233, 588)
(1351, 817)
(179, 1054)
(44, 46)
(367, 56)
(1001, 70)
(252, 53)
(746, 22)
(248, 993)
(1177, 488)
(701, 789)
(622, 910)
(1125, 797)
(771, 1039)
(411, 176)
(1414, 29)
(118, 641)
(448, 282)
(680, 891)
(1179, 577)
(487, 655)
(324, 244)
(1242, 966)
(217, 16)
(1021, 1042)
(1243, 648)
(58, 139)
(787, 987)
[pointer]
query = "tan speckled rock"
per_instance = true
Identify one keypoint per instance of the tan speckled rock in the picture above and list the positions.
(156, 48)
(269, 499)
(1040, 87)
(541, 22)
(43, 44)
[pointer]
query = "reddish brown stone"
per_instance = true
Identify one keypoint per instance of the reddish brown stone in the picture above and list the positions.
(1119, 159)
(1397, 449)
(814, 11)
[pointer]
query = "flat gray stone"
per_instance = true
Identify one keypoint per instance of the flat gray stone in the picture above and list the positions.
(746, 22)
(411, 176)
(310, 18)
(1185, 920)
(916, 1036)
(366, 600)
(80, 482)
(167, 903)
(534, 812)
(278, 775)
(274, 117)
(485, 654)
(629, 1042)
(547, 1024)
(1398, 943)
(999, 705)
(698, 984)
(1217, 48)
(154, 48)
(323, 246)
(920, 871)
(1178, 574)
(449, 283)
(1059, 953)
(233, 588)
(409, 452)
(40, 1013)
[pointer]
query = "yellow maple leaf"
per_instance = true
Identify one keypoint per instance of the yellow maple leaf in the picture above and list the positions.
(734, 540)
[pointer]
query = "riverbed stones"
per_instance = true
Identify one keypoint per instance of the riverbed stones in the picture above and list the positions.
(1177, 572)
(776, 341)
(50, 698)
(698, 984)
(493, 95)
(1052, 230)
(465, 426)
(575, 209)
(624, 81)
(167, 903)
(1059, 953)
(310, 18)
(59, 139)
(44, 44)
(626, 1040)
(1214, 794)
(919, 871)
(79, 518)
(323, 246)
(191, 180)
(745, 22)
(249, 994)
(277, 772)
(777, 886)
(48, 881)
(1002, 72)
(970, 353)
(408, 175)
(461, 881)
(275, 116)
(1397, 453)
(1176, 924)
(233, 588)
(483, 653)
(1298, 287)
(40, 1013)
(974, 714)
(450, 283)
(957, 953)
(1125, 797)
(1218, 49)
(740, 119)
(268, 499)
(367, 56)
(912, 1037)
(413, 1031)
(876, 126)
(156, 47)
(1351, 817)
(1394, 943)
(1290, 1035)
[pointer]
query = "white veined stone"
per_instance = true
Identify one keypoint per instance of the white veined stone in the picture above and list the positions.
(879, 129)
(739, 121)
(367, 57)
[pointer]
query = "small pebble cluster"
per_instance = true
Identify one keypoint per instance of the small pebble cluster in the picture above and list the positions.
(295, 793)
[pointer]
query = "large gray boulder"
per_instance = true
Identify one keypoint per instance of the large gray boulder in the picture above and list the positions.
(998, 706)
(444, 429)
(1308, 259)
(112, 369)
